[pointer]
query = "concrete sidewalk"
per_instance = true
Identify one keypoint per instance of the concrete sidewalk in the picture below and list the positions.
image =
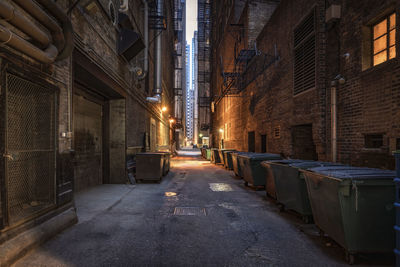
(200, 215)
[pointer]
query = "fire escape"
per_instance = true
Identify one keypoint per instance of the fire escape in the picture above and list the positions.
(178, 61)
(204, 53)
(248, 64)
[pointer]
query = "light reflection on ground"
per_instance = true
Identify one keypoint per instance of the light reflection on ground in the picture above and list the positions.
(220, 187)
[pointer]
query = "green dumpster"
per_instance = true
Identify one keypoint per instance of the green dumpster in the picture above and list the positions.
(236, 164)
(354, 206)
(208, 154)
(286, 183)
(222, 155)
(215, 156)
(253, 172)
(228, 159)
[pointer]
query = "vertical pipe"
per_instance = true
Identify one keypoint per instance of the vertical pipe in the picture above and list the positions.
(158, 68)
(146, 36)
(334, 123)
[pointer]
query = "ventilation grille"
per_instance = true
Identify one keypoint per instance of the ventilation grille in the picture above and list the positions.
(304, 55)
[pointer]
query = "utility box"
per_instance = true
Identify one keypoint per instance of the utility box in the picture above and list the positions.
(333, 12)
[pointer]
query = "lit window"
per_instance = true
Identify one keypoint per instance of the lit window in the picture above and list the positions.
(384, 40)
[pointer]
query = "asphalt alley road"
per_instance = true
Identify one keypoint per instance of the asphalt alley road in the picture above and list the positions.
(200, 215)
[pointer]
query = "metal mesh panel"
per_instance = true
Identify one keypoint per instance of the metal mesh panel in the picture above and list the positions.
(30, 172)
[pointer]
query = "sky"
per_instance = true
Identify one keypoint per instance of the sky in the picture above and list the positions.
(191, 26)
(191, 19)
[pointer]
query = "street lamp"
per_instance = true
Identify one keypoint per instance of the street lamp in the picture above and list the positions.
(171, 121)
(221, 130)
(201, 135)
(164, 109)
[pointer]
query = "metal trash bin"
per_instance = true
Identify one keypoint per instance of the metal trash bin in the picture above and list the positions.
(149, 166)
(222, 155)
(166, 161)
(235, 163)
(208, 154)
(215, 156)
(228, 159)
(286, 183)
(397, 207)
(354, 206)
(253, 172)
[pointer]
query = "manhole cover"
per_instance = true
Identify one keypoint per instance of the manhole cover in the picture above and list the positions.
(191, 211)
(218, 187)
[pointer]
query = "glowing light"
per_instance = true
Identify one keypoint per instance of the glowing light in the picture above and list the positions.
(221, 130)
(201, 135)
(170, 194)
(164, 109)
(171, 121)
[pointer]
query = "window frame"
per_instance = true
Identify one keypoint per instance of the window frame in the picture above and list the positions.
(387, 34)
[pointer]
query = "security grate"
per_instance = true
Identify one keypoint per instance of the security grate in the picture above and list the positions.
(304, 55)
(30, 142)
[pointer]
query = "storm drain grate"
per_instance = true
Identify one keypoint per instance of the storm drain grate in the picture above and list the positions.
(190, 211)
(220, 187)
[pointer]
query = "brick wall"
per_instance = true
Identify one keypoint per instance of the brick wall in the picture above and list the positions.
(368, 102)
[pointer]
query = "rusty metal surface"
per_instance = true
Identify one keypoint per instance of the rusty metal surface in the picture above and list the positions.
(30, 148)
(88, 135)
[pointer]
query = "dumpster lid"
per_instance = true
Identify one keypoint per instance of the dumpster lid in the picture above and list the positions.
(261, 156)
(354, 173)
(313, 164)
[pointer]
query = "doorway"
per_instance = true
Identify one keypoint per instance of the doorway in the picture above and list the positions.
(302, 142)
(88, 141)
(252, 141)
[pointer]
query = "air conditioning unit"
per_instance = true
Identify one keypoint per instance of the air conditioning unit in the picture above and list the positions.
(333, 12)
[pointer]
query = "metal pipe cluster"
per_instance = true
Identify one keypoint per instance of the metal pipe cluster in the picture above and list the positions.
(44, 47)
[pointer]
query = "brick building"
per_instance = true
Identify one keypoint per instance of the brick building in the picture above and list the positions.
(69, 124)
(319, 80)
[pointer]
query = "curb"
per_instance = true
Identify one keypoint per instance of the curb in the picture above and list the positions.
(19, 246)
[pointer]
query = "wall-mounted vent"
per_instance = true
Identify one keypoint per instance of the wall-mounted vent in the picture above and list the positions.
(304, 55)
(277, 132)
(373, 140)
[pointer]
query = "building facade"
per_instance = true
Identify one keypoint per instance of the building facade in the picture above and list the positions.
(189, 100)
(195, 87)
(314, 82)
(204, 71)
(76, 104)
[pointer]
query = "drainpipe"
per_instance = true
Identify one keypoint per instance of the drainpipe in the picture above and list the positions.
(146, 37)
(157, 91)
(334, 123)
(339, 80)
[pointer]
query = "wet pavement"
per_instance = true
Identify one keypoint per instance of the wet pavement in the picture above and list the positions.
(199, 215)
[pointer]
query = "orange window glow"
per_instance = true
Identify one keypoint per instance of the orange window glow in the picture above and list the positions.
(384, 40)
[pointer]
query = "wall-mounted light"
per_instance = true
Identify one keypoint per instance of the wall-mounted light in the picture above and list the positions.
(200, 135)
(221, 130)
(171, 121)
(164, 109)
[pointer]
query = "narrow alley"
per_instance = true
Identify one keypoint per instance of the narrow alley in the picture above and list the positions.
(213, 220)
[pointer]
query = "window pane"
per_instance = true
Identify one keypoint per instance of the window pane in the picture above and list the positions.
(392, 38)
(392, 52)
(393, 21)
(380, 44)
(380, 29)
(380, 58)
